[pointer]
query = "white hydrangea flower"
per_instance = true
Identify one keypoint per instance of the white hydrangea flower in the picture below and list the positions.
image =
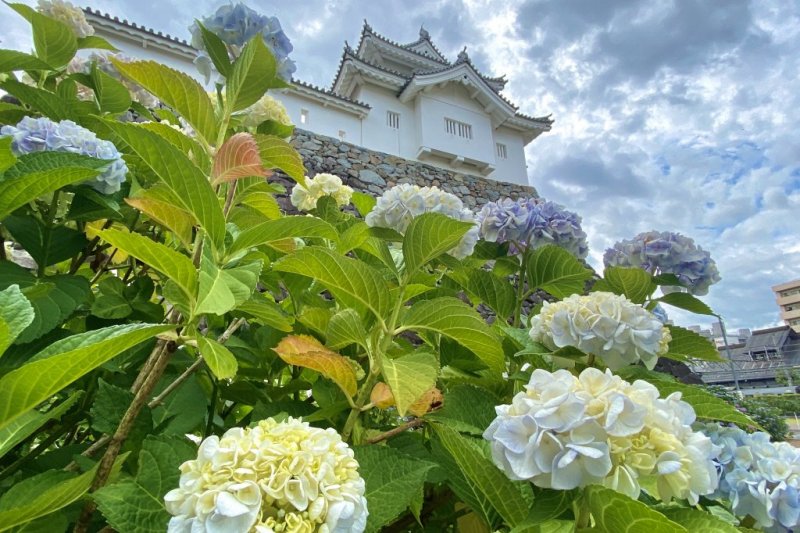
(305, 197)
(398, 206)
(565, 432)
(68, 14)
(266, 108)
(607, 325)
(276, 476)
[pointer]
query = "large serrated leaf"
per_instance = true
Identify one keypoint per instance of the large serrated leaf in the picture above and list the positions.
(556, 271)
(467, 409)
(353, 283)
(283, 228)
(46, 245)
(41, 161)
(429, 236)
(137, 505)
(11, 60)
(695, 520)
(266, 312)
(507, 497)
(112, 96)
(172, 264)
(64, 362)
(252, 74)
(16, 313)
(28, 423)
(185, 143)
(18, 191)
(409, 377)
(176, 89)
(217, 50)
(345, 328)
(54, 41)
(218, 358)
(454, 319)
(308, 352)
(684, 300)
(686, 344)
(633, 283)
(393, 479)
(495, 292)
(47, 103)
(186, 181)
(172, 217)
(277, 153)
(237, 158)
(615, 512)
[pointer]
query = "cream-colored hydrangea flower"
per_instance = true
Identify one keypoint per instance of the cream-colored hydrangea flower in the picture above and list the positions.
(68, 14)
(267, 108)
(305, 197)
(565, 432)
(275, 477)
(607, 325)
(398, 206)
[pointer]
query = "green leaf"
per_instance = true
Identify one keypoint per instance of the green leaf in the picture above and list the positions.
(495, 292)
(277, 153)
(409, 377)
(252, 74)
(363, 202)
(18, 191)
(47, 103)
(556, 271)
(185, 144)
(633, 283)
(393, 479)
(64, 362)
(7, 157)
(548, 504)
(112, 96)
(53, 495)
(172, 264)
(177, 220)
(686, 344)
(684, 300)
(505, 496)
(176, 89)
(454, 319)
(345, 328)
(467, 409)
(109, 406)
(28, 423)
(266, 312)
(273, 127)
(16, 313)
(429, 236)
(54, 41)
(53, 298)
(695, 520)
(218, 358)
(11, 60)
(46, 246)
(283, 228)
(706, 405)
(186, 181)
(137, 505)
(40, 161)
(615, 512)
(262, 201)
(353, 283)
(221, 290)
(95, 42)
(216, 49)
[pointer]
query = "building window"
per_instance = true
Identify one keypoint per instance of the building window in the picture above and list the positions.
(502, 151)
(795, 322)
(790, 292)
(304, 116)
(393, 120)
(788, 308)
(342, 135)
(461, 129)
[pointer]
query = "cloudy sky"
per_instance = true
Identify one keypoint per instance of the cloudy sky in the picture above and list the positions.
(680, 116)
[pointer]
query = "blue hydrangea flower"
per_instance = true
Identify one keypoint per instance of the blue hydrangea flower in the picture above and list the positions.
(236, 24)
(660, 313)
(42, 134)
(758, 477)
(532, 222)
(667, 253)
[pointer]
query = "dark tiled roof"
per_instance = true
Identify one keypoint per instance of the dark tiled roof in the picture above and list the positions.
(366, 28)
(133, 25)
(328, 92)
(349, 53)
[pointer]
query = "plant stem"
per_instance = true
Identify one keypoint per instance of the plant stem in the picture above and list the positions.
(48, 231)
(76, 264)
(212, 408)
(417, 422)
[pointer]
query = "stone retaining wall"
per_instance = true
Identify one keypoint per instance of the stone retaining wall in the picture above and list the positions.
(369, 171)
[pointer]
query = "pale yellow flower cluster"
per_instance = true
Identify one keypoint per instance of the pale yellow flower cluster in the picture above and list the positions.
(305, 197)
(68, 14)
(267, 108)
(274, 477)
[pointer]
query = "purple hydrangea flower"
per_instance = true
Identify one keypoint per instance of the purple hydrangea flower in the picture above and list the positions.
(42, 134)
(236, 24)
(532, 222)
(667, 253)
(758, 477)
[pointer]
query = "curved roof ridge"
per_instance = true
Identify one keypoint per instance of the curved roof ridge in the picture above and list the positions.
(348, 52)
(133, 25)
(366, 28)
(329, 92)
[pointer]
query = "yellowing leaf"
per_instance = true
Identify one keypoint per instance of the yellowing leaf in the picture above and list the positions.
(410, 377)
(172, 217)
(308, 352)
(237, 158)
(381, 396)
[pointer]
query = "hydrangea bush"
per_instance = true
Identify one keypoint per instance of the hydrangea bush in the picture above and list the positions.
(179, 354)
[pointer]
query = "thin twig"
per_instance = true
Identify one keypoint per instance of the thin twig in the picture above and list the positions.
(417, 422)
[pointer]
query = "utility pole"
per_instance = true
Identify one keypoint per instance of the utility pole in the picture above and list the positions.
(728, 353)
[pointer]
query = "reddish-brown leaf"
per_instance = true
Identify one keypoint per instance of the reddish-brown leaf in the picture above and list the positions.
(308, 352)
(237, 158)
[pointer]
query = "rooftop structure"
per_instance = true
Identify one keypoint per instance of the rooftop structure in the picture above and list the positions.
(407, 100)
(787, 296)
